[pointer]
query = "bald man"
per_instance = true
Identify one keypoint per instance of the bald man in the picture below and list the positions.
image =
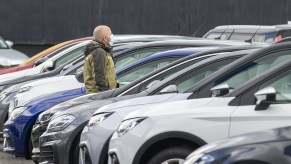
(99, 73)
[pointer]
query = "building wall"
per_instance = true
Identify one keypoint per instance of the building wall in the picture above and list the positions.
(52, 21)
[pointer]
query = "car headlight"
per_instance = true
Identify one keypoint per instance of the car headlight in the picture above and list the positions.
(97, 119)
(3, 95)
(16, 112)
(45, 117)
(60, 123)
(127, 125)
(200, 159)
(24, 89)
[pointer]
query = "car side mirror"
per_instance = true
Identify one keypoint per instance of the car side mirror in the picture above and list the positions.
(169, 89)
(220, 90)
(265, 97)
(152, 83)
(48, 66)
(39, 61)
(9, 43)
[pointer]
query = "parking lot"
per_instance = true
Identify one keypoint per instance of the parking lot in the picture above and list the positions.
(10, 159)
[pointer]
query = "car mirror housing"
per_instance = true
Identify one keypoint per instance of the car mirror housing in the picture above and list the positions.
(265, 97)
(9, 43)
(220, 90)
(152, 83)
(39, 61)
(169, 89)
(48, 66)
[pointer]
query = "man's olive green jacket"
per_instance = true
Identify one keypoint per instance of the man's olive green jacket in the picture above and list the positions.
(99, 72)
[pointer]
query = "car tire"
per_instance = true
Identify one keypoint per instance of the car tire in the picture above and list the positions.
(76, 154)
(172, 153)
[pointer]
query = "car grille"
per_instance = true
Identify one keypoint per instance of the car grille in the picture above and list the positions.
(37, 131)
(46, 154)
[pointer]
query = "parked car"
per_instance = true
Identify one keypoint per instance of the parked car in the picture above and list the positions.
(29, 63)
(70, 133)
(162, 133)
(136, 86)
(30, 110)
(271, 146)
(133, 54)
(267, 34)
(9, 56)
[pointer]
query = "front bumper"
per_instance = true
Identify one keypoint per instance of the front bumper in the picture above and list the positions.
(37, 130)
(122, 150)
(94, 141)
(14, 138)
(57, 147)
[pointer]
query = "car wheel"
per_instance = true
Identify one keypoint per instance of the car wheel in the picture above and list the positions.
(76, 154)
(173, 155)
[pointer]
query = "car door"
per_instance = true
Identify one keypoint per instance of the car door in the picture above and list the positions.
(246, 119)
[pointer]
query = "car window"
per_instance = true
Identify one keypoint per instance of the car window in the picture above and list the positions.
(253, 69)
(59, 50)
(131, 57)
(286, 33)
(282, 85)
(3, 44)
(191, 78)
(69, 56)
(142, 70)
(170, 72)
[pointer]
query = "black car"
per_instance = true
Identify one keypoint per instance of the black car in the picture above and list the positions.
(266, 147)
(84, 111)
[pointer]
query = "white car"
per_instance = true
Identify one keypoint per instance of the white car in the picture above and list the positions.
(45, 86)
(55, 59)
(8, 56)
(169, 132)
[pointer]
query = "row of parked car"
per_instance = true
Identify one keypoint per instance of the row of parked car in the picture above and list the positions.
(175, 95)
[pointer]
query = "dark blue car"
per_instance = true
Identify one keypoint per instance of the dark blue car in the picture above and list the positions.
(18, 127)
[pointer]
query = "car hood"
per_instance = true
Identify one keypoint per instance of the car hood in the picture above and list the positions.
(53, 97)
(142, 101)
(83, 108)
(11, 57)
(273, 135)
(89, 98)
(49, 80)
(184, 106)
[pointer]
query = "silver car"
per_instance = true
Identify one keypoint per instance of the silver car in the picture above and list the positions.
(8, 56)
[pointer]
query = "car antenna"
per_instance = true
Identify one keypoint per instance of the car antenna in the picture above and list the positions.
(231, 34)
(250, 40)
(218, 38)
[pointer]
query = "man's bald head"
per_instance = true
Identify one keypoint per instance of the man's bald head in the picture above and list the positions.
(101, 32)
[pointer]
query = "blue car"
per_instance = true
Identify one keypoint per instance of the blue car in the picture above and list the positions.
(19, 125)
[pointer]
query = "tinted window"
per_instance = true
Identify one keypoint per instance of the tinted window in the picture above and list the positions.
(286, 33)
(254, 68)
(68, 56)
(191, 78)
(2, 44)
(282, 84)
(142, 70)
(131, 57)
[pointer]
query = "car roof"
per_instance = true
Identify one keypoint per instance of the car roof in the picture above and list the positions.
(172, 53)
(189, 43)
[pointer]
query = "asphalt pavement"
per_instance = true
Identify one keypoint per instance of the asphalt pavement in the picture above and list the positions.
(11, 159)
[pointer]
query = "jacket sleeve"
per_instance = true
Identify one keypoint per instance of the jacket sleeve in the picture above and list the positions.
(100, 61)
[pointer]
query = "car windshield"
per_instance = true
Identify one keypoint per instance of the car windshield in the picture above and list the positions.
(3, 45)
